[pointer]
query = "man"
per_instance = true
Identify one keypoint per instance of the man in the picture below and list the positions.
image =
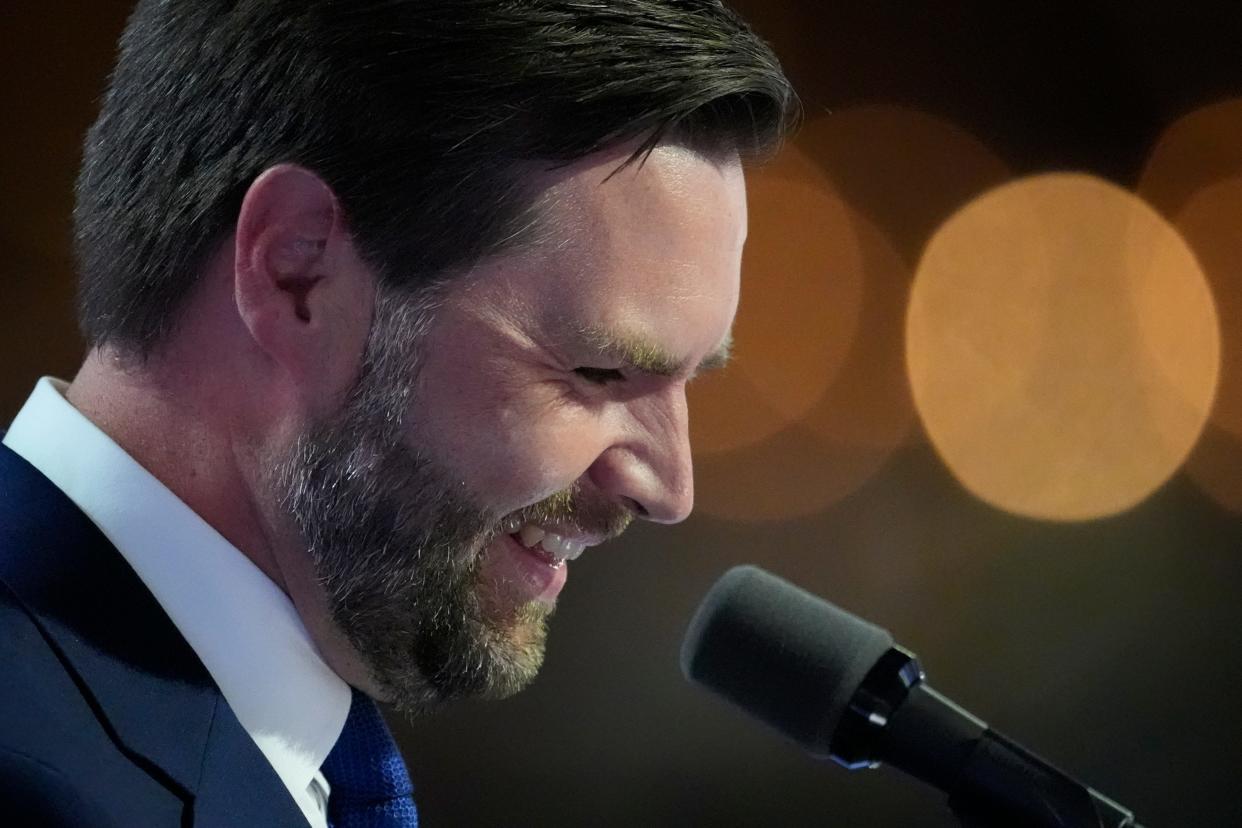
(391, 305)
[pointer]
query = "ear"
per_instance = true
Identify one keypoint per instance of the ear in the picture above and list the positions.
(301, 289)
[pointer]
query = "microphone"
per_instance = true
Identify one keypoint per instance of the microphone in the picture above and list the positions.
(839, 686)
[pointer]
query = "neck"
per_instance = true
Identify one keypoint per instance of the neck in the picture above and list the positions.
(179, 427)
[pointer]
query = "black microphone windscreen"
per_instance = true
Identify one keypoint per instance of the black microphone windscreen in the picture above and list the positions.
(780, 653)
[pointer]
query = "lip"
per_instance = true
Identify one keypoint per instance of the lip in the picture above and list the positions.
(522, 575)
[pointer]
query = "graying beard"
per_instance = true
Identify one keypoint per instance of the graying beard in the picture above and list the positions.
(395, 550)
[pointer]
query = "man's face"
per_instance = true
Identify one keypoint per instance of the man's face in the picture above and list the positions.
(534, 408)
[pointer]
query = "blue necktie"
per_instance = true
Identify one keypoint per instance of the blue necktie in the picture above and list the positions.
(370, 785)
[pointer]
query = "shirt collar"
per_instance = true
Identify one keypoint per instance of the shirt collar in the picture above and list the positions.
(243, 628)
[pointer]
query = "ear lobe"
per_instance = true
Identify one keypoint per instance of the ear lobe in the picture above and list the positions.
(298, 287)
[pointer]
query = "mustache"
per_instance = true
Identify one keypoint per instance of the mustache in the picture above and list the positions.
(573, 508)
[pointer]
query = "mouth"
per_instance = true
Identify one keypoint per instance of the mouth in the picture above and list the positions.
(530, 562)
(542, 541)
(524, 574)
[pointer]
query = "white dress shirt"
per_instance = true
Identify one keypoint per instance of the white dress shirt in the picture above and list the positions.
(244, 629)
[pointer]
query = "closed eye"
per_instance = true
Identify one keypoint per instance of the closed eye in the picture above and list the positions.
(600, 376)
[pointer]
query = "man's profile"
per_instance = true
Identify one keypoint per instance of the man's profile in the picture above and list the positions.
(390, 307)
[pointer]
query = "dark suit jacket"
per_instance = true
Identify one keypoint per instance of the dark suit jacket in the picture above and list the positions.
(107, 717)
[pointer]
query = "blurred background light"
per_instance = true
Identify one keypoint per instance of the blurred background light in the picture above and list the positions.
(1194, 176)
(863, 412)
(817, 398)
(904, 169)
(1063, 347)
(1211, 222)
(1194, 152)
(799, 314)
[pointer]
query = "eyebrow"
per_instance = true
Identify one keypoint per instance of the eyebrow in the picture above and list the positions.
(641, 354)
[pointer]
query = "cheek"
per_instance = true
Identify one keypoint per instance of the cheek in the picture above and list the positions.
(514, 446)
(540, 458)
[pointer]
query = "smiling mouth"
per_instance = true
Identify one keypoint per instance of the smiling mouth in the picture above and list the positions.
(539, 553)
(553, 548)
(519, 574)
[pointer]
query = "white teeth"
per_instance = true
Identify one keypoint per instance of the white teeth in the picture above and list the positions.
(556, 546)
(561, 548)
(531, 535)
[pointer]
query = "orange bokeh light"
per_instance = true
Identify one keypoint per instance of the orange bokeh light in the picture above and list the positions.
(1210, 222)
(1063, 347)
(1198, 150)
(818, 400)
(906, 170)
(863, 416)
(799, 313)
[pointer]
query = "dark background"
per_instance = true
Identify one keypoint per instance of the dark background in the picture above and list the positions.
(1110, 646)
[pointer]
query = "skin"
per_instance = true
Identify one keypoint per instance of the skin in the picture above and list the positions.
(562, 365)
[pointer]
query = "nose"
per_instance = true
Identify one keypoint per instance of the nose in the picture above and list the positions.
(648, 468)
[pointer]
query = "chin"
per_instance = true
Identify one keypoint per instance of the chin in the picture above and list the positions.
(491, 656)
(515, 650)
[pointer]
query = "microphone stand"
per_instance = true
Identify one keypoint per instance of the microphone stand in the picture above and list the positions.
(896, 718)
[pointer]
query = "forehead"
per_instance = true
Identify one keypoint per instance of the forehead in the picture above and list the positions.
(675, 201)
(654, 243)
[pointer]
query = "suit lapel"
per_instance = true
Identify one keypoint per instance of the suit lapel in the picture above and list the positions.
(150, 689)
(238, 786)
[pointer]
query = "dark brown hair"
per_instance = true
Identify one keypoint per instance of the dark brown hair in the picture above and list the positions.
(418, 113)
